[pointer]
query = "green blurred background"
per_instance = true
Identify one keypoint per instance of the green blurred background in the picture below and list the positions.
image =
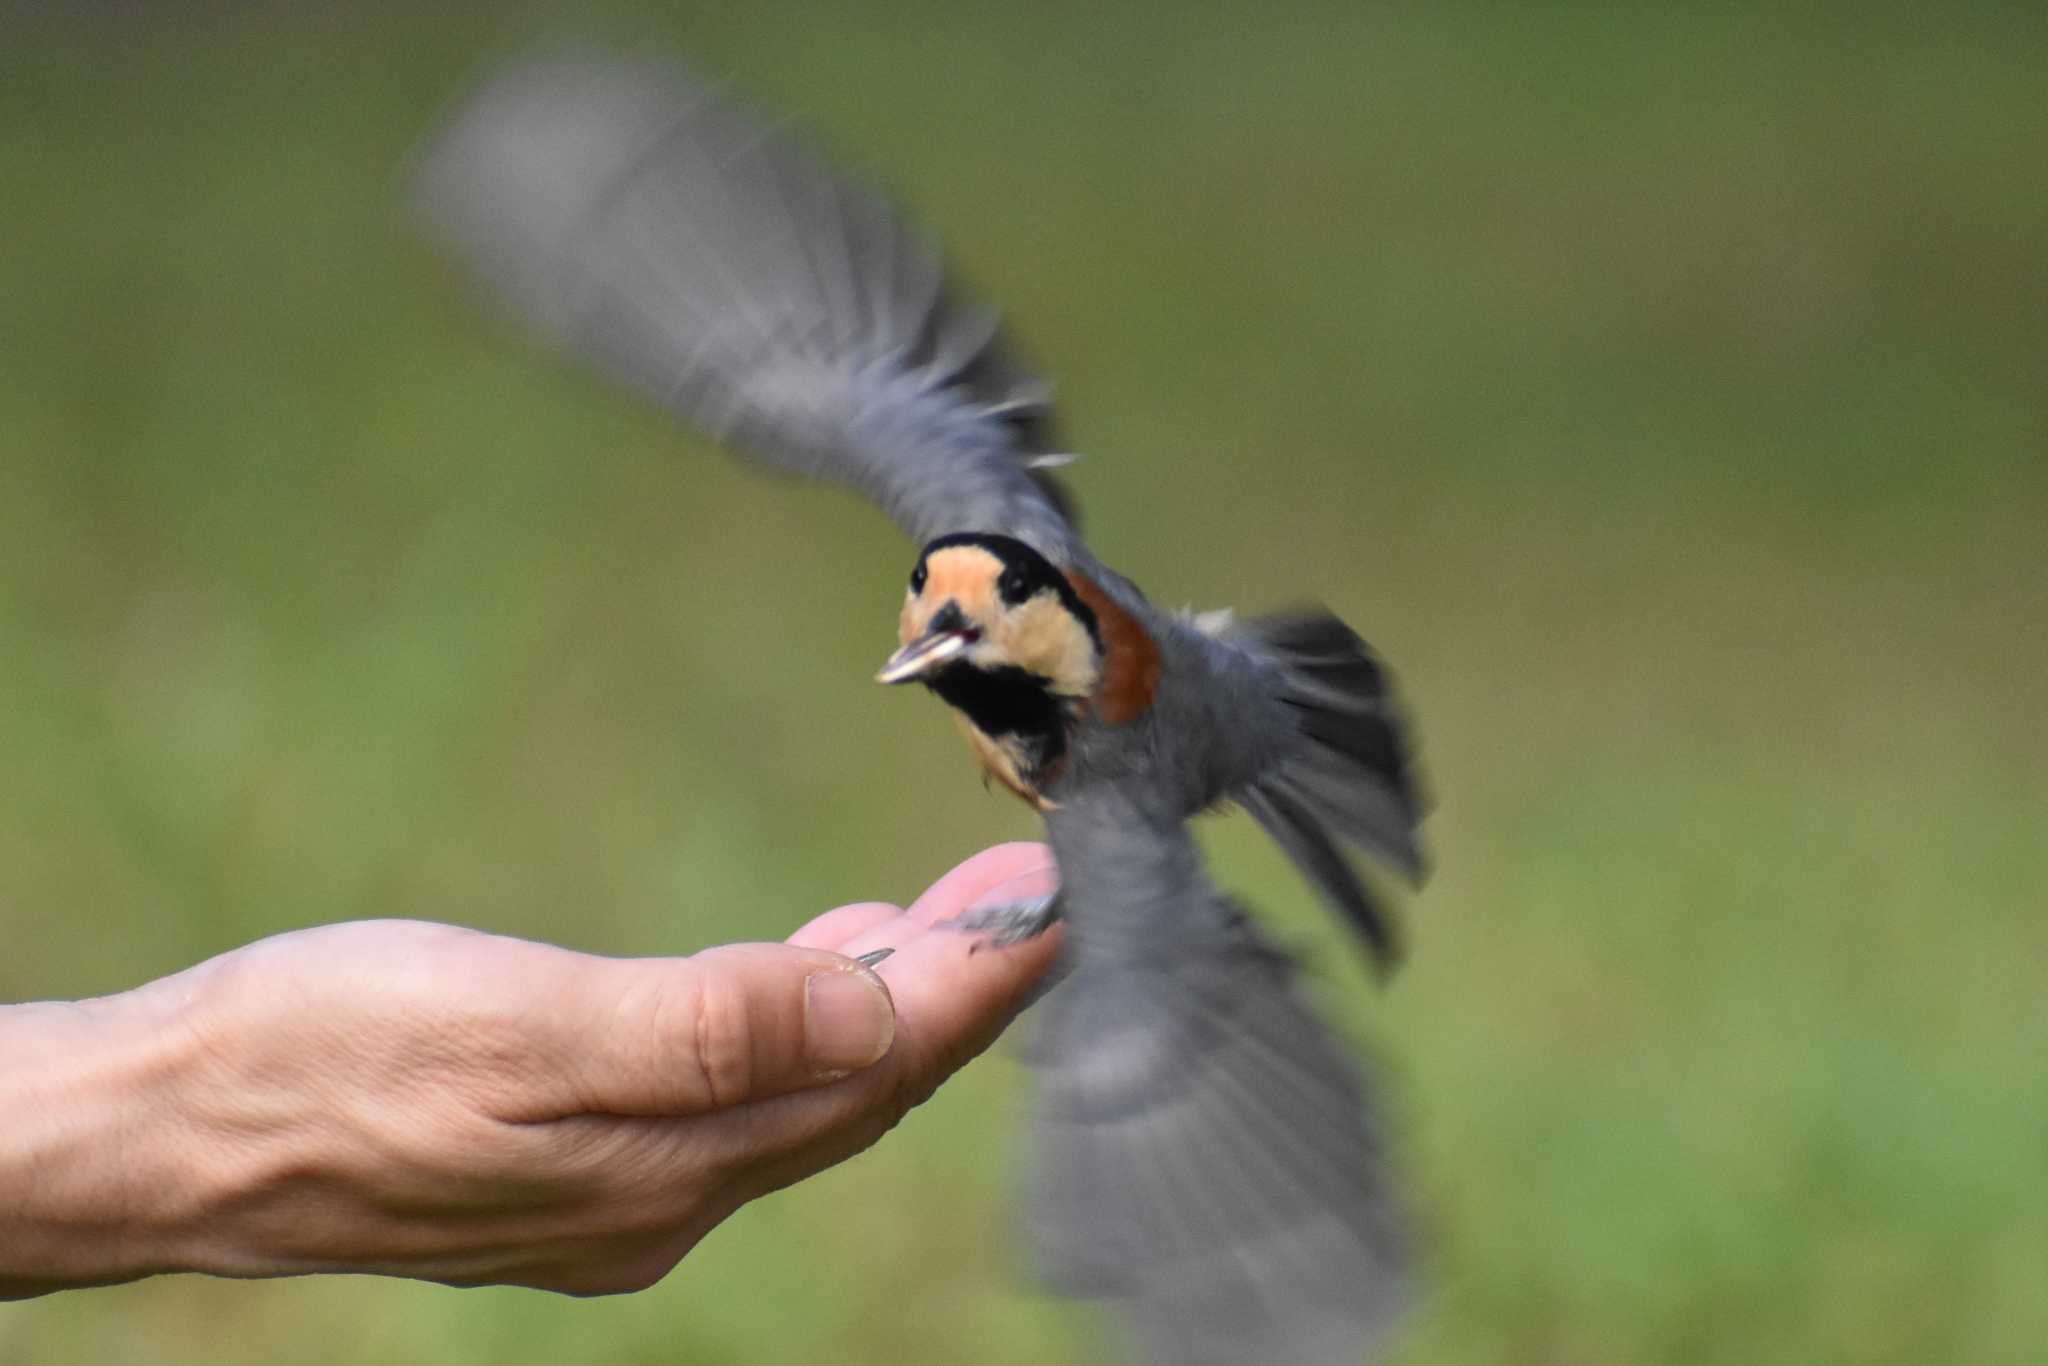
(1662, 388)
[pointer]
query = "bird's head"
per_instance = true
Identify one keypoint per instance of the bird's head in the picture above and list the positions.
(991, 604)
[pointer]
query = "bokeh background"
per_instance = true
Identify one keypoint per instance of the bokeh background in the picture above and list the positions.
(1660, 386)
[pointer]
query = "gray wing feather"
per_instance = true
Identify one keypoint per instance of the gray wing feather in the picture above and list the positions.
(1348, 777)
(1203, 1153)
(688, 249)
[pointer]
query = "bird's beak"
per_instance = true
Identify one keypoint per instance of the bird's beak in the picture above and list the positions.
(924, 654)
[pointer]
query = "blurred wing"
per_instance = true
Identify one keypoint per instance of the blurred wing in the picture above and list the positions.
(1350, 779)
(1205, 1154)
(657, 230)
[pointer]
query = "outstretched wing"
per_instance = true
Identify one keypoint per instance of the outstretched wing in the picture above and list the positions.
(655, 228)
(1206, 1152)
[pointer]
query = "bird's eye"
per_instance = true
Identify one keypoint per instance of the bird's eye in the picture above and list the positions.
(917, 578)
(1014, 585)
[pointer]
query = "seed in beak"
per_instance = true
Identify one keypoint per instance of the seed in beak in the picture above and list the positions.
(923, 655)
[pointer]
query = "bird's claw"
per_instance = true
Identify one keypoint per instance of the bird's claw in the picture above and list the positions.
(1011, 922)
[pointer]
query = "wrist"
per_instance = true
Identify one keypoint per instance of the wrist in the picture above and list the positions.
(96, 1177)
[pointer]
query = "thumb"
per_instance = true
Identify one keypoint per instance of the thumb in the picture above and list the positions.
(732, 1024)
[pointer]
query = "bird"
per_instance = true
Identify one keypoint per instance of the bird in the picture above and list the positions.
(1203, 1151)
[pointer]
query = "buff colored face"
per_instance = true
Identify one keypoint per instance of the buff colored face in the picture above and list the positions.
(965, 603)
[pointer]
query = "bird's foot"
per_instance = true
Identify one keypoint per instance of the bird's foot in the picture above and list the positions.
(1012, 922)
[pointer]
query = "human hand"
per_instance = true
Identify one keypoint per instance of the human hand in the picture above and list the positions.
(418, 1100)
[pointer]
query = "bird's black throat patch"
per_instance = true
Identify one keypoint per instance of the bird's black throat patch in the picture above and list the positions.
(1008, 702)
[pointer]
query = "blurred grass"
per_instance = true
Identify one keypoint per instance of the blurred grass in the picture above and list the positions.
(1661, 388)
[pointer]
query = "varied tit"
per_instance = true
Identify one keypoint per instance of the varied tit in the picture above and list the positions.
(1202, 1149)
(1015, 647)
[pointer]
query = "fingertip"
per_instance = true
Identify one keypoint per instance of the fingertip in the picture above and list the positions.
(954, 990)
(753, 1037)
(849, 1020)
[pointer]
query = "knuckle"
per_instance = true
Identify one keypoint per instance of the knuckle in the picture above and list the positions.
(722, 1040)
(911, 1089)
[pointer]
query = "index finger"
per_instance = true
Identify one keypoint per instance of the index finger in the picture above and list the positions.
(842, 924)
(967, 884)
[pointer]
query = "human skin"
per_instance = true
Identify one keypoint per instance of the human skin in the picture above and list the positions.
(414, 1099)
